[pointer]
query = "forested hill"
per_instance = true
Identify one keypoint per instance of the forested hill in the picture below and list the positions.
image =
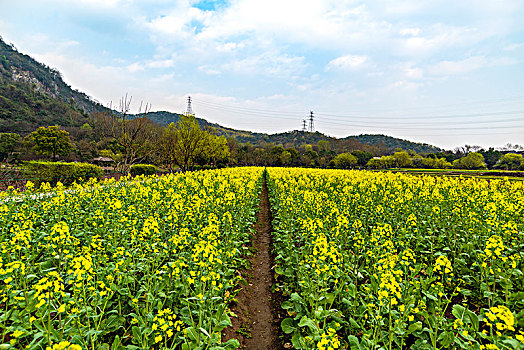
(393, 142)
(33, 94)
(297, 138)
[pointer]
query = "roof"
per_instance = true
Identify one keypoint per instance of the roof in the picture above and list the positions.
(103, 159)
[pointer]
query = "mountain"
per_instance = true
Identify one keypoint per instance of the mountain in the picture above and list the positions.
(393, 142)
(297, 138)
(33, 94)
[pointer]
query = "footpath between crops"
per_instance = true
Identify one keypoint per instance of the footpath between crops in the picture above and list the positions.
(257, 325)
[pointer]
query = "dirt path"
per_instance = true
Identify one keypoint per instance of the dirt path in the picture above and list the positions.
(257, 325)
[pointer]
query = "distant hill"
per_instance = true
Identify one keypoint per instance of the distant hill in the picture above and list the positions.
(33, 94)
(393, 142)
(296, 137)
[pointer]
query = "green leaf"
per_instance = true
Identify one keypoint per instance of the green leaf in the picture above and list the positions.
(353, 342)
(474, 320)
(231, 344)
(446, 338)
(458, 311)
(417, 326)
(354, 323)
(298, 341)
(116, 343)
(286, 305)
(137, 334)
(288, 325)
(307, 322)
(352, 290)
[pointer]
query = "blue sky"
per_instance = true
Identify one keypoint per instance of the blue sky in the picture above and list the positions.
(447, 73)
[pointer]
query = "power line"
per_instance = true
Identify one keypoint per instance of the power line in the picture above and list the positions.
(373, 124)
(311, 127)
(484, 114)
(332, 121)
(287, 113)
(395, 119)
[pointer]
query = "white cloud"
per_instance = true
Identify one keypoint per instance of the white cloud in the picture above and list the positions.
(414, 72)
(513, 47)
(209, 70)
(230, 46)
(410, 31)
(267, 63)
(348, 62)
(458, 67)
(162, 78)
(439, 37)
(161, 63)
(135, 67)
(405, 85)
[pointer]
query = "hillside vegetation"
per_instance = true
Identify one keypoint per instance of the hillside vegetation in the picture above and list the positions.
(297, 138)
(33, 95)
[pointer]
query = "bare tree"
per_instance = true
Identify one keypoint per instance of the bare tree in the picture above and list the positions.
(133, 136)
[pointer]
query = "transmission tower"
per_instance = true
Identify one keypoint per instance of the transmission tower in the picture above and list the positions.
(304, 128)
(311, 126)
(189, 109)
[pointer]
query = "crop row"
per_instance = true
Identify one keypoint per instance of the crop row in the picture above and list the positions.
(131, 264)
(389, 261)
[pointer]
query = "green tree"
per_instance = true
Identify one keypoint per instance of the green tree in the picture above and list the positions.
(323, 146)
(184, 143)
(51, 141)
(435, 163)
(511, 161)
(8, 142)
(363, 157)
(216, 149)
(491, 157)
(345, 160)
(473, 160)
(402, 159)
(374, 163)
(286, 158)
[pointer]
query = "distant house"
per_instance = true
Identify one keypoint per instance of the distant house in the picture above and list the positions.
(103, 161)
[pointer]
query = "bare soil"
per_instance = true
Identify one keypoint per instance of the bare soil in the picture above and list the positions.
(257, 325)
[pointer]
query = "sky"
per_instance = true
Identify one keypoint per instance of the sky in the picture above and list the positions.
(448, 73)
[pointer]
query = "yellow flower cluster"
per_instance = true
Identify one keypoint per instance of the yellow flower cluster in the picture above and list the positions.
(494, 247)
(328, 340)
(49, 287)
(401, 246)
(501, 317)
(64, 345)
(443, 266)
(165, 325)
(389, 277)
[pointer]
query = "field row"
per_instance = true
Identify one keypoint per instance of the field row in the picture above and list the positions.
(135, 265)
(389, 261)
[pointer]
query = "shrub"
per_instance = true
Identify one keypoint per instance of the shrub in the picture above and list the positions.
(473, 160)
(66, 173)
(345, 160)
(142, 169)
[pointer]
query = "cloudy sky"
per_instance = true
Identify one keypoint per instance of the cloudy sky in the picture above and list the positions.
(447, 73)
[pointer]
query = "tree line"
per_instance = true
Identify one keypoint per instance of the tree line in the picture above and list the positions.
(124, 139)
